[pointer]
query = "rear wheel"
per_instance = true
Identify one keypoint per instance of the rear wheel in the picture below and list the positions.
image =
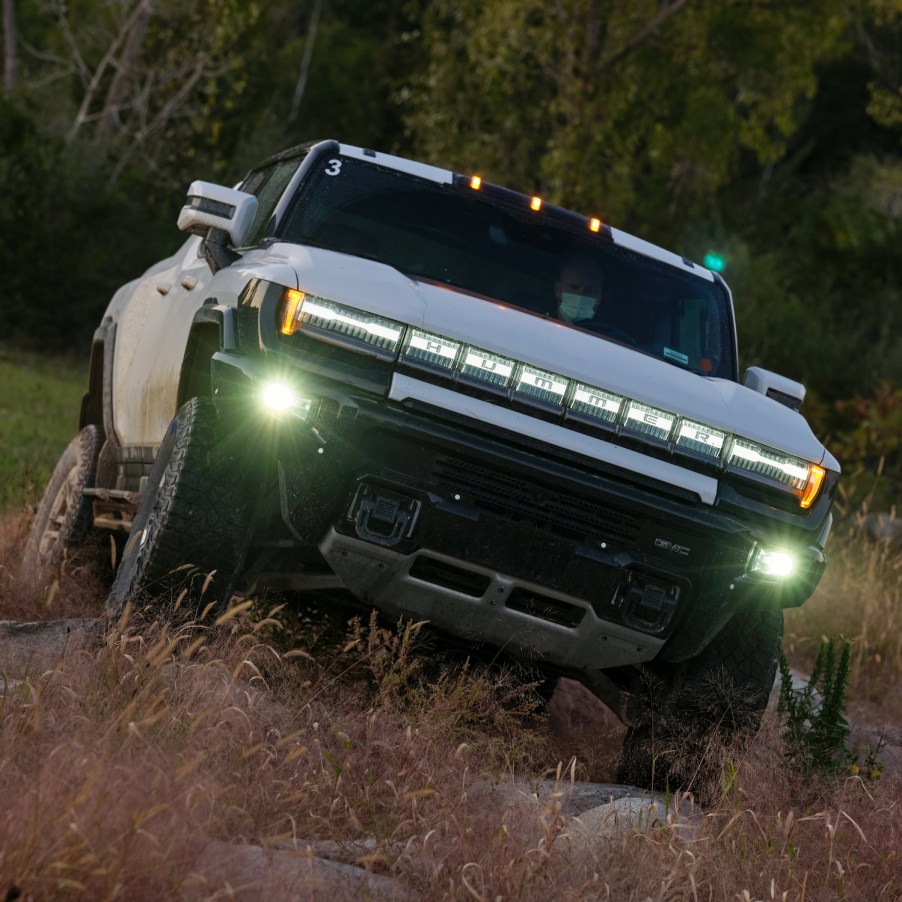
(64, 518)
(681, 717)
(188, 538)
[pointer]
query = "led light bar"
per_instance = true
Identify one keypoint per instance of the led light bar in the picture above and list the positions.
(756, 459)
(484, 366)
(595, 403)
(700, 438)
(649, 420)
(300, 310)
(452, 359)
(429, 348)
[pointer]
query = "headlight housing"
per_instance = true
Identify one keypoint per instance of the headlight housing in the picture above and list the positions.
(329, 320)
(803, 478)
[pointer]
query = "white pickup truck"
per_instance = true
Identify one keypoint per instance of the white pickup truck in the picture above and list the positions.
(461, 404)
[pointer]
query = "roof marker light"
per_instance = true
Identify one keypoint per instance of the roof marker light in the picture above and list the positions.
(594, 224)
(475, 182)
(535, 203)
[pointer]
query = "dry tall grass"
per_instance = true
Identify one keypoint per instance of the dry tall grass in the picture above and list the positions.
(119, 767)
(860, 599)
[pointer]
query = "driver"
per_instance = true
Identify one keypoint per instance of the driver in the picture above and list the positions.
(578, 290)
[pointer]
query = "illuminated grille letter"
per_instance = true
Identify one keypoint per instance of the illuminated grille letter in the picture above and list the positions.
(648, 420)
(596, 403)
(487, 367)
(542, 385)
(435, 350)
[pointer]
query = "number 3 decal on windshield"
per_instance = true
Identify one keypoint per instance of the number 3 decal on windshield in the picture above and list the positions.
(334, 167)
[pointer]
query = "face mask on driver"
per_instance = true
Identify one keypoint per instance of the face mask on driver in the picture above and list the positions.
(575, 307)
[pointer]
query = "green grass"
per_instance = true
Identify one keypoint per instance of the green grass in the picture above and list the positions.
(39, 407)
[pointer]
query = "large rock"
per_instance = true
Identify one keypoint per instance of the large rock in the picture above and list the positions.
(29, 648)
(253, 872)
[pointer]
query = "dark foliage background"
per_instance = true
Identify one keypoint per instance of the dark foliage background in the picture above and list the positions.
(769, 132)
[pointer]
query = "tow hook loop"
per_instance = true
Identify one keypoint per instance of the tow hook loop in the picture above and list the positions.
(648, 604)
(383, 517)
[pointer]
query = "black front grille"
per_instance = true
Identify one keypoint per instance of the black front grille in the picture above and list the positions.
(521, 500)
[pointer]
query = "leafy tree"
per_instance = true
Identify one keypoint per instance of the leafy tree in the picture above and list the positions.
(646, 108)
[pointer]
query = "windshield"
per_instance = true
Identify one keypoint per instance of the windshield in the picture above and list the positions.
(459, 237)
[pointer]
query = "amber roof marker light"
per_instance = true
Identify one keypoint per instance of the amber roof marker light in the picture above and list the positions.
(535, 203)
(475, 182)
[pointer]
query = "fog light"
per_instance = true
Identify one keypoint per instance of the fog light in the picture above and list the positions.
(773, 562)
(281, 398)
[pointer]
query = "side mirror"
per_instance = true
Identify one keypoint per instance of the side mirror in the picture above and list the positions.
(217, 207)
(781, 389)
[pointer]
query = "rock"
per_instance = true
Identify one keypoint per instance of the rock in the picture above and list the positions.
(574, 709)
(253, 872)
(26, 648)
(640, 812)
(572, 798)
(580, 725)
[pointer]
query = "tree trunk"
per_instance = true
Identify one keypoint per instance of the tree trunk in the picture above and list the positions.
(131, 51)
(9, 47)
(305, 61)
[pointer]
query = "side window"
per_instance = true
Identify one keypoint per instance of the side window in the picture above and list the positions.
(268, 185)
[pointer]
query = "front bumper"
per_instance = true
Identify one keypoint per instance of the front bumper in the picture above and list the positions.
(519, 547)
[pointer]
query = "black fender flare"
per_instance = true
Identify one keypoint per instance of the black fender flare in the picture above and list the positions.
(97, 401)
(213, 329)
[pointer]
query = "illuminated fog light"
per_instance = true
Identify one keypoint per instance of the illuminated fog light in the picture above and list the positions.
(281, 398)
(773, 562)
(278, 396)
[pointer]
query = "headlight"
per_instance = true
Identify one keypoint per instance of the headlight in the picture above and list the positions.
(351, 325)
(803, 478)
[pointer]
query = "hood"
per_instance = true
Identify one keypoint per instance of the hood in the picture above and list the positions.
(552, 345)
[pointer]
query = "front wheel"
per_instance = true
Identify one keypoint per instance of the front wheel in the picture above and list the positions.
(682, 716)
(64, 517)
(188, 538)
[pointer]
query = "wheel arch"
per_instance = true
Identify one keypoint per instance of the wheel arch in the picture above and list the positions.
(212, 330)
(97, 401)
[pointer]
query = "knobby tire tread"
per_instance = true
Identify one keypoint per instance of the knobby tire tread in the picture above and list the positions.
(196, 516)
(714, 700)
(82, 452)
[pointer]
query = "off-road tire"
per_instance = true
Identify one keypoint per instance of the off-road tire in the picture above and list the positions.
(187, 540)
(681, 717)
(64, 518)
